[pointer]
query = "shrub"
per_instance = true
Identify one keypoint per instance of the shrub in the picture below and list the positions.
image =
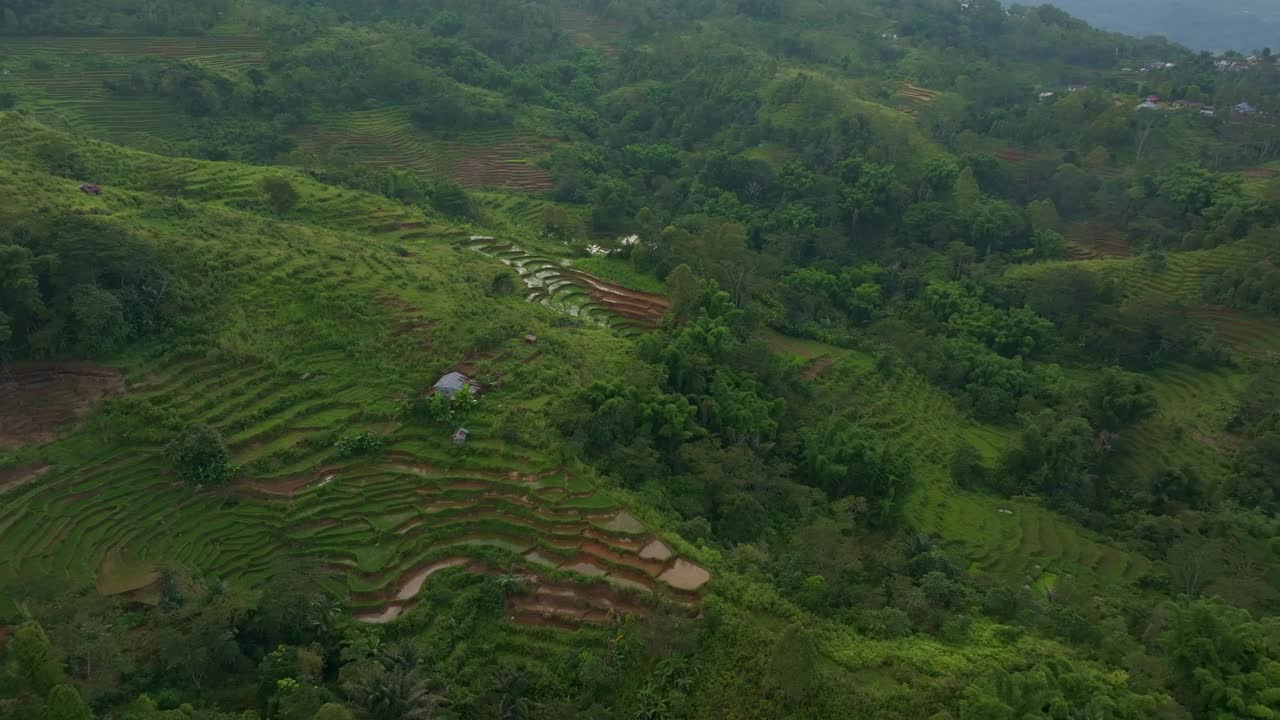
(885, 624)
(199, 456)
(281, 195)
(361, 444)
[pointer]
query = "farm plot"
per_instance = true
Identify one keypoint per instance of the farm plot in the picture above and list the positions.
(592, 31)
(386, 138)
(915, 97)
(38, 402)
(382, 524)
(1095, 241)
(1187, 430)
(1244, 332)
(1024, 543)
(552, 282)
(69, 74)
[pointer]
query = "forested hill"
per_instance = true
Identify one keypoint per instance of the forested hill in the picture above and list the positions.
(868, 359)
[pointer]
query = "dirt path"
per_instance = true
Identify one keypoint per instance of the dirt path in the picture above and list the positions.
(818, 367)
(19, 475)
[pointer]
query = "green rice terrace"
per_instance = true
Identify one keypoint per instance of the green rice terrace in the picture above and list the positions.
(381, 525)
(651, 360)
(66, 80)
(502, 159)
(552, 282)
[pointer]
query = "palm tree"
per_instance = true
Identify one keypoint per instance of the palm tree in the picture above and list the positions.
(395, 694)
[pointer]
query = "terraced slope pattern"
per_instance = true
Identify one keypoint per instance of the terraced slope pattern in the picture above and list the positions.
(592, 31)
(386, 138)
(1094, 241)
(69, 75)
(383, 524)
(915, 97)
(554, 283)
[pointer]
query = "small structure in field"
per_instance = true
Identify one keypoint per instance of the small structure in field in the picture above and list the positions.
(451, 383)
(530, 339)
(88, 189)
(460, 437)
(1244, 108)
(1077, 87)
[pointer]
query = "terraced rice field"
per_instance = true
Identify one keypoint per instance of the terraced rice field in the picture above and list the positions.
(1094, 241)
(915, 97)
(1188, 427)
(1245, 332)
(913, 415)
(917, 94)
(1184, 272)
(166, 47)
(1014, 156)
(552, 282)
(591, 31)
(382, 524)
(1022, 542)
(386, 138)
(1259, 173)
(69, 75)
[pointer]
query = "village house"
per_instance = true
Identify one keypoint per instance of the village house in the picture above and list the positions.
(1046, 95)
(450, 384)
(1244, 108)
(1148, 105)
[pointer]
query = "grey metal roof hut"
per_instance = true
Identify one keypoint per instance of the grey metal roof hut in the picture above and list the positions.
(452, 383)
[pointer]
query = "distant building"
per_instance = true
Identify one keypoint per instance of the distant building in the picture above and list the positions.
(460, 437)
(450, 384)
(90, 189)
(1046, 95)
(1077, 87)
(530, 339)
(1245, 108)
(1208, 111)
(1148, 105)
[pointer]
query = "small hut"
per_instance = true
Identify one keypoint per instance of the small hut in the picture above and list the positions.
(460, 437)
(451, 383)
(530, 339)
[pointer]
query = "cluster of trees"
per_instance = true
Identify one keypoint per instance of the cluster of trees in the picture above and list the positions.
(77, 285)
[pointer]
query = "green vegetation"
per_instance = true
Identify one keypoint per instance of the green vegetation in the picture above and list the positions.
(380, 360)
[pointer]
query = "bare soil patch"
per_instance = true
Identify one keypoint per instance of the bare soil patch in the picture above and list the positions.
(19, 475)
(818, 367)
(118, 573)
(38, 403)
(624, 522)
(656, 550)
(684, 575)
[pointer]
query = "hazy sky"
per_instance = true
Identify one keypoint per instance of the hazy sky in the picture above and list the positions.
(1218, 25)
